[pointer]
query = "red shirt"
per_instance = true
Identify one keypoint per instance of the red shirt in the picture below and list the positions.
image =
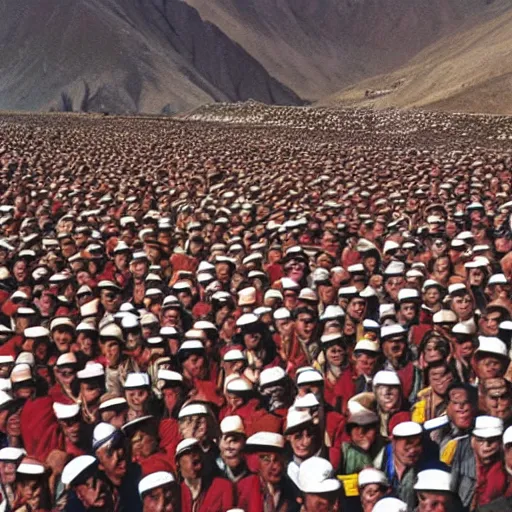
(219, 496)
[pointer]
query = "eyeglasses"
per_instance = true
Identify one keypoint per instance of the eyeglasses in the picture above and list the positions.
(271, 459)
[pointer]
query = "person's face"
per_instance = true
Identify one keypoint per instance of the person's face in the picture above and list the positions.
(486, 449)
(305, 325)
(195, 426)
(432, 352)
(116, 418)
(325, 502)
(388, 397)
(434, 502)
(498, 403)
(330, 244)
(408, 450)
(90, 392)
(476, 277)
(195, 247)
(121, 261)
(370, 494)
(143, 445)
(71, 429)
(185, 299)
(294, 269)
(507, 452)
(62, 340)
(234, 401)
(191, 465)
(431, 297)
(68, 248)
(223, 272)
(94, 494)
(464, 349)
(171, 318)
(162, 499)
(460, 409)
(170, 396)
(364, 436)
(365, 364)
(393, 285)
(290, 299)
(462, 306)
(356, 308)
(370, 263)
(271, 467)
(327, 294)
(489, 367)
(65, 375)
(110, 300)
(29, 492)
(194, 365)
(136, 398)
(394, 348)
(8, 472)
(113, 462)
(323, 261)
(440, 380)
(231, 446)
(304, 443)
(408, 311)
(20, 271)
(284, 327)
(86, 344)
(336, 355)
(492, 321)
(111, 351)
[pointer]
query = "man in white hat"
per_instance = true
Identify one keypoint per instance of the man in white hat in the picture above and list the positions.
(435, 492)
(10, 459)
(372, 485)
(160, 492)
(201, 489)
(231, 461)
(477, 469)
(320, 489)
(270, 488)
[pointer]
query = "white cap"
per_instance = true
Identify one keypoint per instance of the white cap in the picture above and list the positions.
(5, 398)
(30, 468)
(372, 476)
(395, 268)
(316, 476)
(308, 294)
(154, 480)
(27, 358)
(367, 346)
(234, 354)
(103, 432)
(487, 427)
(308, 401)
(271, 375)
(191, 345)
(247, 296)
(204, 325)
(192, 410)
(273, 294)
(407, 429)
(247, 319)
(433, 480)
(65, 411)
(165, 375)
(332, 312)
(386, 310)
(390, 505)
(497, 279)
(36, 332)
(266, 440)
(492, 345)
(136, 380)
(507, 437)
(7, 359)
(61, 321)
(430, 283)
(445, 316)
(65, 359)
(392, 331)
(238, 385)
(86, 327)
(282, 314)
(408, 294)
(232, 424)
(112, 331)
(289, 284)
(461, 328)
(386, 378)
(21, 373)
(74, 468)
(296, 418)
(457, 287)
(309, 377)
(186, 445)
(91, 371)
(112, 402)
(10, 454)
(389, 245)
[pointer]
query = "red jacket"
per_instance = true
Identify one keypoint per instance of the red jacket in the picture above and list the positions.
(218, 496)
(491, 483)
(159, 461)
(251, 496)
(169, 433)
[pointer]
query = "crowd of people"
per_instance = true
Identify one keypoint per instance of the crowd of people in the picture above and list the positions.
(202, 318)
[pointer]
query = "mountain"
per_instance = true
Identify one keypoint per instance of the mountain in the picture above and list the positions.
(467, 72)
(123, 56)
(317, 47)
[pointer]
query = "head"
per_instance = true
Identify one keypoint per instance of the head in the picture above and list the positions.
(231, 447)
(440, 377)
(190, 463)
(305, 441)
(113, 459)
(305, 323)
(461, 407)
(365, 362)
(394, 348)
(407, 450)
(137, 398)
(166, 498)
(435, 501)
(497, 395)
(486, 449)
(389, 398)
(463, 306)
(271, 466)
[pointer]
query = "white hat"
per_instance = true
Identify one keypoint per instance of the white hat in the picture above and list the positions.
(238, 385)
(91, 371)
(26, 357)
(367, 346)
(186, 445)
(73, 469)
(492, 345)
(445, 316)
(386, 378)
(310, 376)
(263, 441)
(487, 427)
(191, 345)
(308, 401)
(7, 359)
(348, 291)
(362, 417)
(372, 476)
(21, 373)
(430, 283)
(136, 380)
(36, 332)
(392, 331)
(273, 294)
(390, 505)
(65, 359)
(271, 375)
(204, 325)
(234, 354)
(111, 330)
(308, 294)
(497, 279)
(10, 454)
(154, 480)
(102, 433)
(164, 376)
(371, 325)
(262, 310)
(247, 319)
(129, 321)
(192, 410)
(296, 419)
(332, 312)
(436, 423)
(90, 308)
(507, 437)
(5, 398)
(456, 288)
(329, 338)
(148, 319)
(282, 314)
(386, 310)
(407, 429)
(433, 480)
(289, 284)
(30, 468)
(395, 268)
(461, 328)
(111, 403)
(316, 476)
(65, 411)
(232, 424)
(247, 296)
(408, 294)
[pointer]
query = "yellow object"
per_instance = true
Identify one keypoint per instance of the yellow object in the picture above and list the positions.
(449, 452)
(350, 484)
(418, 412)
